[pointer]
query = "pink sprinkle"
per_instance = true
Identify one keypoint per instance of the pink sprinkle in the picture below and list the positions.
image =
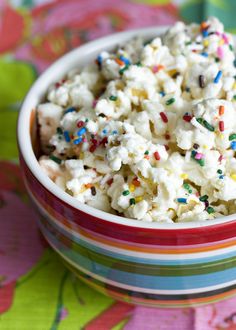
(224, 36)
(94, 103)
(217, 33)
(155, 69)
(199, 155)
(220, 158)
(220, 52)
(84, 140)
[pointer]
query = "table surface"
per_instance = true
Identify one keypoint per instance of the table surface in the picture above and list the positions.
(36, 290)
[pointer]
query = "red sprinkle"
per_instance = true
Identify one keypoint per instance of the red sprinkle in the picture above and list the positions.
(80, 123)
(103, 141)
(110, 181)
(164, 117)
(221, 110)
(92, 148)
(136, 182)
(94, 142)
(167, 147)
(157, 155)
(220, 158)
(167, 136)
(187, 118)
(221, 126)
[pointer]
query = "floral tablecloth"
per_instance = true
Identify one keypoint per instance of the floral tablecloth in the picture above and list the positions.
(36, 291)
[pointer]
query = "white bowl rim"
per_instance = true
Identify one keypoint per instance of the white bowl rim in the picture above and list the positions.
(26, 150)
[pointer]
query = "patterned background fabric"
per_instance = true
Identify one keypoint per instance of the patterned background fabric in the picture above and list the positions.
(36, 291)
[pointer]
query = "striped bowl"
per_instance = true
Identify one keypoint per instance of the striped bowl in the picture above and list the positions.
(153, 264)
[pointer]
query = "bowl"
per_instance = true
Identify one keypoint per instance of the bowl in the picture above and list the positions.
(153, 264)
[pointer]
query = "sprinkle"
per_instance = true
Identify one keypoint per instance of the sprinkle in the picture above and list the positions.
(138, 63)
(203, 198)
(221, 110)
(88, 185)
(232, 137)
(93, 191)
(99, 59)
(78, 141)
(184, 176)
(167, 136)
(221, 177)
(204, 54)
(114, 132)
(234, 97)
(164, 117)
(205, 33)
(86, 120)
(92, 148)
(217, 59)
(193, 153)
(196, 146)
(104, 131)
(221, 126)
(55, 159)
(125, 192)
(187, 89)
(72, 109)
(67, 136)
(157, 155)
(136, 182)
(118, 61)
(113, 98)
(82, 131)
(162, 93)
(233, 145)
(80, 124)
(94, 103)
(146, 152)
(132, 188)
(182, 200)
(104, 141)
(217, 77)
(132, 201)
(219, 171)
(210, 210)
(205, 43)
(187, 117)
(231, 48)
(204, 26)
(226, 40)
(110, 181)
(101, 115)
(201, 162)
(201, 81)
(186, 186)
(204, 123)
(233, 176)
(220, 158)
(123, 69)
(125, 60)
(170, 101)
(155, 69)
(138, 199)
(220, 52)
(59, 131)
(199, 156)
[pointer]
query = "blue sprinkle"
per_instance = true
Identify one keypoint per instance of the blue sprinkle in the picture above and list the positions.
(221, 177)
(204, 54)
(182, 200)
(72, 109)
(218, 76)
(104, 131)
(233, 145)
(125, 60)
(99, 59)
(205, 33)
(114, 132)
(82, 131)
(78, 141)
(67, 136)
(162, 94)
(193, 153)
(235, 62)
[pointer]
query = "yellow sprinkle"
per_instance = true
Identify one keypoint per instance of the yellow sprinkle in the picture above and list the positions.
(221, 42)
(233, 176)
(184, 176)
(205, 146)
(221, 136)
(81, 155)
(234, 85)
(131, 188)
(205, 43)
(172, 72)
(138, 199)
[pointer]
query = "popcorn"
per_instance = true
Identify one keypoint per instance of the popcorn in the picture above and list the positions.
(149, 131)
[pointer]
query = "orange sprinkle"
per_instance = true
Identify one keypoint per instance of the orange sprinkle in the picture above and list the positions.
(147, 157)
(204, 25)
(135, 182)
(221, 110)
(88, 185)
(119, 61)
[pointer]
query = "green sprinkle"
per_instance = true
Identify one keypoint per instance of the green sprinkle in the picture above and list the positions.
(55, 159)
(146, 152)
(201, 162)
(132, 201)
(188, 43)
(217, 59)
(125, 192)
(234, 97)
(190, 191)
(113, 98)
(123, 69)
(138, 64)
(232, 137)
(170, 101)
(210, 210)
(86, 120)
(59, 131)
(203, 198)
(231, 48)
(219, 171)
(204, 123)
(186, 186)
